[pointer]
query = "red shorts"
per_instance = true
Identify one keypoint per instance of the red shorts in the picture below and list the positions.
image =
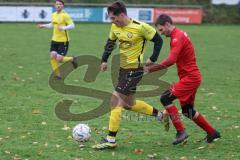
(185, 90)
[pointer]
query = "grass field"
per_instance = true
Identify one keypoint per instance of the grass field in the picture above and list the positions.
(30, 129)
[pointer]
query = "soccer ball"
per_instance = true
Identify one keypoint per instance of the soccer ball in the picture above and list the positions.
(81, 132)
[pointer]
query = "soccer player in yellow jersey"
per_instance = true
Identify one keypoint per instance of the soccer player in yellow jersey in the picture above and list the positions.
(61, 23)
(132, 36)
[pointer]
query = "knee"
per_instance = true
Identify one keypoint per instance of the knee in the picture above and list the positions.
(167, 98)
(53, 55)
(115, 101)
(188, 111)
(59, 58)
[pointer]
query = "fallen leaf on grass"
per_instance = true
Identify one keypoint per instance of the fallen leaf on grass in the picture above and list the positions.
(113, 154)
(81, 145)
(44, 123)
(7, 152)
(236, 127)
(138, 151)
(210, 94)
(16, 158)
(152, 156)
(23, 137)
(214, 107)
(65, 128)
(40, 152)
(211, 145)
(199, 148)
(36, 111)
(20, 67)
(183, 158)
(184, 143)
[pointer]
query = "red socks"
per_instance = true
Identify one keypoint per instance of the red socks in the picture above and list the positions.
(203, 123)
(173, 112)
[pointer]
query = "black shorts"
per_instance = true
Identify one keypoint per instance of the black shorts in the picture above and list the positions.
(128, 80)
(60, 47)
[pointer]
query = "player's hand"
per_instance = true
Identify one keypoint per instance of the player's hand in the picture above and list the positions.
(149, 62)
(60, 28)
(146, 69)
(103, 66)
(40, 26)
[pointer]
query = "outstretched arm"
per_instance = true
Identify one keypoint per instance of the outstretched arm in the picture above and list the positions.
(48, 25)
(172, 58)
(176, 47)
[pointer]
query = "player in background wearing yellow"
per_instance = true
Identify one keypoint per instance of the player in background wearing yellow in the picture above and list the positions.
(61, 23)
(132, 36)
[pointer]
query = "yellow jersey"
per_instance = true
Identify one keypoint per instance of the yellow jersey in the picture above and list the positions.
(132, 39)
(60, 19)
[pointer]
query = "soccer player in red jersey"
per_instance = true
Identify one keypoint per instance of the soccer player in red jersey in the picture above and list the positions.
(181, 53)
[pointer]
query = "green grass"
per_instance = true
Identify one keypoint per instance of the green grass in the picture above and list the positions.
(27, 102)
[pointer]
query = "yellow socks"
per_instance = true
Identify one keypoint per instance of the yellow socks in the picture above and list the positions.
(143, 107)
(66, 59)
(55, 67)
(114, 121)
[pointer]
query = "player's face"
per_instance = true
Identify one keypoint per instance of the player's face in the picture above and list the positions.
(164, 29)
(118, 20)
(58, 6)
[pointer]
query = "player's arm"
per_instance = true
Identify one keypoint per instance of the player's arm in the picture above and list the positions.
(48, 25)
(69, 24)
(68, 27)
(158, 42)
(149, 33)
(109, 47)
(170, 60)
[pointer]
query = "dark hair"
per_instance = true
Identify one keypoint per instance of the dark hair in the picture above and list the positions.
(117, 8)
(162, 19)
(60, 1)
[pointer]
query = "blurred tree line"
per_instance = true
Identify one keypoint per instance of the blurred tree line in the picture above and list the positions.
(212, 13)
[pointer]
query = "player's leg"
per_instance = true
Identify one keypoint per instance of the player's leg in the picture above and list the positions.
(189, 111)
(167, 99)
(55, 64)
(131, 78)
(114, 123)
(63, 49)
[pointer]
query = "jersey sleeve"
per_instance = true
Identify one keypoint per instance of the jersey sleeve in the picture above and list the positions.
(112, 35)
(176, 47)
(148, 31)
(68, 19)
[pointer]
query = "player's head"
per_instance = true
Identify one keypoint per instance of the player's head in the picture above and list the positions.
(117, 12)
(59, 5)
(164, 24)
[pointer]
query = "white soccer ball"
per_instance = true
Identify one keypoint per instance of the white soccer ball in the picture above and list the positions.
(81, 132)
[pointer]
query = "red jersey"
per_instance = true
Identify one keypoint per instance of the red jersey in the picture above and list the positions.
(181, 53)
